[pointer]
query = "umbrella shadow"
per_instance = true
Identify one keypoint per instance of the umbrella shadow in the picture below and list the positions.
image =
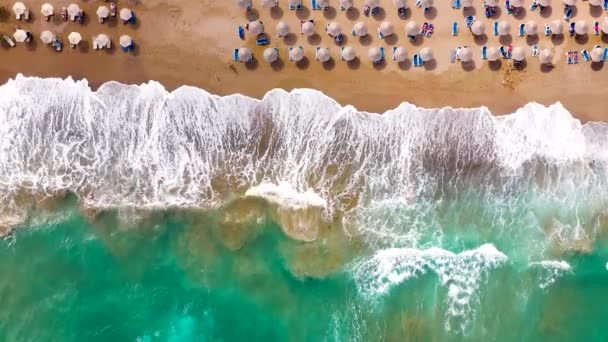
(581, 39)
(392, 39)
(497, 12)
(353, 14)
(574, 10)
(276, 12)
(354, 64)
(277, 65)
(32, 45)
(531, 40)
(546, 13)
(315, 39)
(595, 11)
(303, 13)
(405, 65)
(604, 38)
(380, 66)
(84, 46)
(418, 41)
(495, 65)
(330, 13)
(253, 65)
(521, 65)
(481, 39)
(506, 39)
(366, 40)
(252, 14)
(557, 39)
(430, 65)
(431, 14)
(468, 11)
(290, 39)
(303, 64)
(381, 15)
(597, 66)
(546, 68)
(468, 66)
(329, 65)
(521, 14)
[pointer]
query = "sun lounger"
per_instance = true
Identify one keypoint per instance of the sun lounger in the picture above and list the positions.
(452, 55)
(605, 55)
(455, 29)
(571, 29)
(381, 54)
(508, 7)
(534, 50)
(26, 15)
(418, 3)
(8, 40)
(235, 55)
(503, 52)
(596, 27)
(585, 54)
(262, 41)
(314, 5)
(416, 60)
(568, 14)
(605, 5)
(547, 30)
(469, 20)
(456, 4)
(533, 5)
(241, 32)
(484, 54)
(496, 28)
(296, 7)
(522, 30)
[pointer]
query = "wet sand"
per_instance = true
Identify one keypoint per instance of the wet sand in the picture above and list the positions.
(190, 42)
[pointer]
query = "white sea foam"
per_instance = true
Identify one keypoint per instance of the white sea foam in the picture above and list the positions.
(286, 196)
(550, 271)
(462, 274)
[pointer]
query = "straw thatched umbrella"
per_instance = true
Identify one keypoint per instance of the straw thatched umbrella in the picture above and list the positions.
(374, 54)
(255, 27)
(426, 54)
(400, 54)
(519, 54)
(360, 29)
(73, 10)
(557, 27)
(465, 54)
(47, 37)
(125, 41)
(103, 12)
(20, 35)
(399, 3)
(544, 3)
(333, 29)
(348, 53)
(466, 3)
(323, 55)
(245, 54)
(74, 38)
(581, 27)
(372, 3)
(517, 3)
(243, 3)
(126, 14)
(570, 2)
(604, 25)
(102, 40)
(504, 28)
(595, 2)
(478, 28)
(323, 3)
(531, 28)
(19, 8)
(47, 10)
(426, 3)
(386, 28)
(346, 4)
(412, 29)
(308, 29)
(597, 54)
(269, 3)
(271, 55)
(492, 54)
(545, 56)
(296, 54)
(282, 29)
(492, 3)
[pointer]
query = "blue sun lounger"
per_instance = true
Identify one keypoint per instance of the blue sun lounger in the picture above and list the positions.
(508, 7)
(484, 53)
(522, 30)
(296, 7)
(381, 56)
(547, 30)
(455, 29)
(469, 20)
(533, 6)
(496, 28)
(262, 41)
(568, 14)
(585, 54)
(417, 61)
(605, 55)
(236, 55)
(241, 32)
(314, 5)
(605, 5)
(456, 4)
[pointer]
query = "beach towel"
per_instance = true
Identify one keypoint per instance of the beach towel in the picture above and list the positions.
(522, 30)
(496, 28)
(455, 29)
(484, 54)
(585, 54)
(605, 55)
(508, 7)
(241, 32)
(569, 57)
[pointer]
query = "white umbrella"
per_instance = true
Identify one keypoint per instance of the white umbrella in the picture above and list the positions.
(334, 29)
(545, 56)
(74, 38)
(323, 55)
(597, 54)
(360, 29)
(544, 3)
(465, 54)
(372, 3)
(604, 25)
(386, 28)
(47, 37)
(103, 12)
(47, 10)
(570, 2)
(595, 2)
(102, 40)
(268, 3)
(492, 54)
(245, 54)
(125, 41)
(504, 28)
(20, 35)
(517, 3)
(348, 53)
(282, 29)
(346, 4)
(323, 3)
(126, 14)
(255, 27)
(399, 3)
(19, 8)
(308, 28)
(411, 28)
(531, 28)
(426, 54)
(270, 55)
(243, 3)
(492, 3)
(400, 54)
(557, 27)
(73, 10)
(581, 27)
(466, 3)
(519, 54)
(426, 3)
(478, 28)
(296, 54)
(374, 54)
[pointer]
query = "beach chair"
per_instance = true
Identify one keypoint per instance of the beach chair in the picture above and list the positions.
(262, 41)
(569, 57)
(568, 14)
(522, 30)
(496, 28)
(533, 6)
(452, 55)
(534, 50)
(596, 27)
(605, 55)
(484, 54)
(296, 7)
(241, 32)
(605, 6)
(455, 29)
(585, 54)
(547, 30)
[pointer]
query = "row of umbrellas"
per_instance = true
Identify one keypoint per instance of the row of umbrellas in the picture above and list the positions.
(531, 27)
(73, 10)
(347, 53)
(47, 37)
(347, 4)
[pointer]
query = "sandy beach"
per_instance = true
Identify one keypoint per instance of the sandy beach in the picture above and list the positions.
(190, 42)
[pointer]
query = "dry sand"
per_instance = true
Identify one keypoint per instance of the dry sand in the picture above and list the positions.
(190, 42)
